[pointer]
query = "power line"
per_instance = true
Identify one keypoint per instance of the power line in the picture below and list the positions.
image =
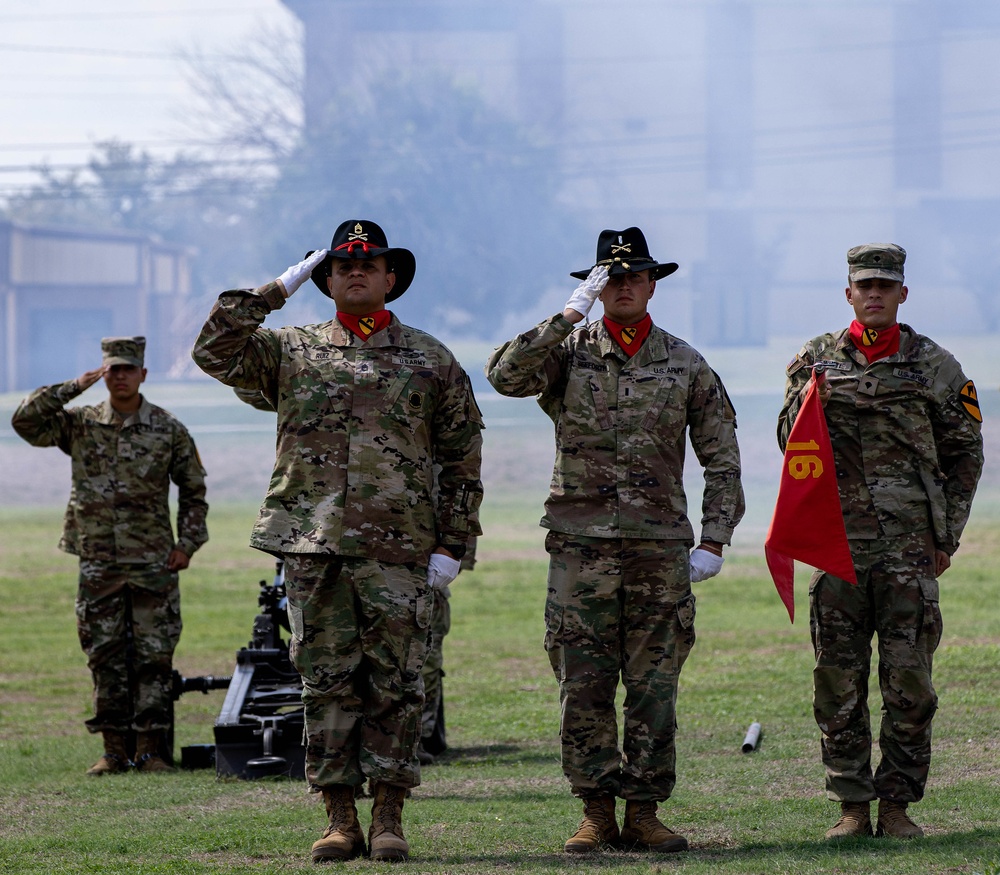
(101, 53)
(55, 18)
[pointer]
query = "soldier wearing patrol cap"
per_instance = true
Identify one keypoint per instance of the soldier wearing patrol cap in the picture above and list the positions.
(622, 394)
(905, 425)
(374, 497)
(125, 453)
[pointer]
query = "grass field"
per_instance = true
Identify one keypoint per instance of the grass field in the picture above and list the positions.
(497, 800)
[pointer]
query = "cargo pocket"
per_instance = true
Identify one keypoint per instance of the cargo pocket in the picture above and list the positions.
(931, 624)
(296, 649)
(553, 624)
(685, 630)
(417, 651)
(83, 630)
(424, 609)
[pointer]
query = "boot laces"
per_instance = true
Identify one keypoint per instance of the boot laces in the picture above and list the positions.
(595, 811)
(646, 815)
(389, 814)
(895, 815)
(339, 812)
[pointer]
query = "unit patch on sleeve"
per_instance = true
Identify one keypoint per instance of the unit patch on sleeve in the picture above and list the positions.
(970, 401)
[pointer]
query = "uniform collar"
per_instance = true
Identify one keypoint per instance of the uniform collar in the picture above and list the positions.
(107, 415)
(391, 336)
(909, 342)
(654, 349)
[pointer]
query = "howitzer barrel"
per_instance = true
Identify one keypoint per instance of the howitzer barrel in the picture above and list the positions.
(203, 684)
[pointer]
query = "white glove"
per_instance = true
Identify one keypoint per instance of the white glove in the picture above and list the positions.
(704, 564)
(297, 274)
(442, 570)
(587, 292)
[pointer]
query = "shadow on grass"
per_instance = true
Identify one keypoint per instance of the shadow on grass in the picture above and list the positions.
(496, 754)
(978, 845)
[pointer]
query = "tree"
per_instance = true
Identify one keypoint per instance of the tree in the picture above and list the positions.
(184, 201)
(471, 193)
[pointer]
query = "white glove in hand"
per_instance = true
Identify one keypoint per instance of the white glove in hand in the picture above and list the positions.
(297, 274)
(586, 293)
(704, 564)
(442, 570)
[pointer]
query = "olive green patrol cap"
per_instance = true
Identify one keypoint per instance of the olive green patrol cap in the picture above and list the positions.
(872, 260)
(123, 350)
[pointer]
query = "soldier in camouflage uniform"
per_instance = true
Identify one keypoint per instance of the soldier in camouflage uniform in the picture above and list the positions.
(367, 407)
(433, 739)
(125, 452)
(622, 394)
(905, 426)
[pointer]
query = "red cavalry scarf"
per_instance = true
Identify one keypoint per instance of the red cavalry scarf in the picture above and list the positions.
(365, 326)
(629, 337)
(873, 344)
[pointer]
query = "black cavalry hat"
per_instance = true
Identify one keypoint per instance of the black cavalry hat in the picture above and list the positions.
(359, 238)
(626, 252)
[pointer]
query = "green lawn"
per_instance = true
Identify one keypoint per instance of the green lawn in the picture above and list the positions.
(497, 799)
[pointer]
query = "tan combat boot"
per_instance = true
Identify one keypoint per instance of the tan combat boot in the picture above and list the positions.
(893, 821)
(597, 827)
(114, 760)
(343, 839)
(643, 830)
(385, 835)
(855, 821)
(147, 752)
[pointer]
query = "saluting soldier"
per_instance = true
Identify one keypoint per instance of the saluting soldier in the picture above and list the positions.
(623, 394)
(367, 408)
(905, 425)
(125, 453)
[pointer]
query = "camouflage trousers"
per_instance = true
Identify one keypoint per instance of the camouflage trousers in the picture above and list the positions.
(359, 634)
(132, 678)
(433, 671)
(896, 599)
(618, 608)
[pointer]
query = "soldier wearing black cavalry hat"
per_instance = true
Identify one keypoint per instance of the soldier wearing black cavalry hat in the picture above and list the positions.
(374, 497)
(622, 394)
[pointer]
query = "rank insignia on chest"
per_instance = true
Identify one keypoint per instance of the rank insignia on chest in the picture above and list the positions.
(868, 386)
(970, 401)
(366, 324)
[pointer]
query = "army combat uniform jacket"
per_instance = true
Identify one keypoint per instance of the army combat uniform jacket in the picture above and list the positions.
(361, 426)
(122, 469)
(620, 431)
(906, 435)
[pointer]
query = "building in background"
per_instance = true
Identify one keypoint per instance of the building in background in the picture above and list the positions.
(754, 141)
(61, 291)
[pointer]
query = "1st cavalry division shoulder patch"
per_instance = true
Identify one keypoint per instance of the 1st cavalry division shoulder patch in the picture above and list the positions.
(970, 401)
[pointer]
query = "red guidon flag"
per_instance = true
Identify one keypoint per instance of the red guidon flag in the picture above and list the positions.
(808, 523)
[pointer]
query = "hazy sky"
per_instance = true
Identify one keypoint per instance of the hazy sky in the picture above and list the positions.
(77, 73)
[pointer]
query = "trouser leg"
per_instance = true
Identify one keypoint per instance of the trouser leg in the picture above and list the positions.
(618, 608)
(359, 630)
(100, 624)
(840, 620)
(582, 614)
(156, 629)
(908, 623)
(658, 635)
